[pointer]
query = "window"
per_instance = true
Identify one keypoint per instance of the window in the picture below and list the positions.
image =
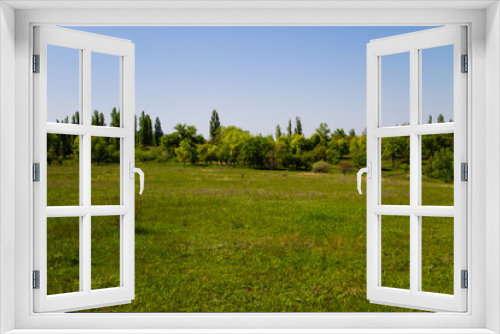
(476, 319)
(85, 218)
(385, 216)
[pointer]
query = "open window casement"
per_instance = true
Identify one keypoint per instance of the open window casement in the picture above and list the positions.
(415, 44)
(84, 295)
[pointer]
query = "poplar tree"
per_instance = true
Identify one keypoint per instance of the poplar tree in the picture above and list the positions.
(278, 131)
(214, 124)
(158, 131)
(298, 126)
(289, 128)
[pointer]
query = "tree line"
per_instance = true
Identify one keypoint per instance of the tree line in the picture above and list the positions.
(233, 146)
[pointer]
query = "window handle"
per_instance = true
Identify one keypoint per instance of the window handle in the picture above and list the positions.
(138, 171)
(368, 171)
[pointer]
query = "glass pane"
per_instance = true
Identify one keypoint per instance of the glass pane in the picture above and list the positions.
(63, 170)
(105, 171)
(63, 85)
(395, 89)
(105, 252)
(396, 251)
(437, 254)
(395, 171)
(63, 255)
(437, 84)
(438, 169)
(105, 90)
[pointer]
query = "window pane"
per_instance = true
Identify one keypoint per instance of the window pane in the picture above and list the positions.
(395, 171)
(105, 252)
(105, 90)
(396, 251)
(63, 255)
(395, 89)
(63, 170)
(63, 84)
(438, 170)
(437, 254)
(437, 84)
(105, 171)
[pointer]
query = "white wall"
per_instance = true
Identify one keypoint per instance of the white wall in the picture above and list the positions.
(492, 164)
(7, 163)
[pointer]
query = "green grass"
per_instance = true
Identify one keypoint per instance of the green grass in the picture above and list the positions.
(217, 239)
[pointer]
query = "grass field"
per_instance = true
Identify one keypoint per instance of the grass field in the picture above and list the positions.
(217, 239)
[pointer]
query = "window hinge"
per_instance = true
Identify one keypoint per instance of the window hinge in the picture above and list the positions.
(36, 172)
(464, 172)
(465, 279)
(36, 63)
(465, 64)
(36, 279)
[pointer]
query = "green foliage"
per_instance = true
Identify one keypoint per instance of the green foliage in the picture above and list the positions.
(186, 152)
(358, 151)
(345, 167)
(396, 150)
(298, 126)
(256, 151)
(320, 167)
(158, 132)
(214, 128)
(278, 132)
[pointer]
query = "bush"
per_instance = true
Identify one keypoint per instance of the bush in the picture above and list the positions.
(345, 166)
(320, 167)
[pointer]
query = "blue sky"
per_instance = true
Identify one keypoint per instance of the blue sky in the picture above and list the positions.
(255, 77)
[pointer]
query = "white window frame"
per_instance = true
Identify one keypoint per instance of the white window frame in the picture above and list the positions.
(483, 314)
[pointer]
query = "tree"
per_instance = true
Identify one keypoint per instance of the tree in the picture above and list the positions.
(75, 119)
(358, 151)
(214, 125)
(345, 166)
(298, 126)
(323, 131)
(185, 152)
(98, 118)
(278, 132)
(115, 118)
(145, 130)
(339, 133)
(440, 118)
(352, 133)
(256, 151)
(429, 121)
(158, 131)
(289, 128)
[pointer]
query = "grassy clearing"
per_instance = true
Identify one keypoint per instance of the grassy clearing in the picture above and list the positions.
(216, 239)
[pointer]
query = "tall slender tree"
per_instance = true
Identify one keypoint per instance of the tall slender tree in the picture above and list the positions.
(115, 118)
(158, 131)
(429, 121)
(98, 118)
(278, 132)
(440, 118)
(214, 124)
(298, 125)
(75, 119)
(289, 128)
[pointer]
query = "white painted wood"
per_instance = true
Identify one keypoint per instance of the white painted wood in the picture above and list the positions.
(86, 298)
(413, 43)
(471, 322)
(7, 167)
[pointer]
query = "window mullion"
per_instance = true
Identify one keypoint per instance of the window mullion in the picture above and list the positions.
(415, 247)
(85, 156)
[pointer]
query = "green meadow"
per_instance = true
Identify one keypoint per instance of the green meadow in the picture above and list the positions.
(211, 238)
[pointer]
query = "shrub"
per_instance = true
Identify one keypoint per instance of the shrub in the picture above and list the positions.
(345, 166)
(320, 167)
